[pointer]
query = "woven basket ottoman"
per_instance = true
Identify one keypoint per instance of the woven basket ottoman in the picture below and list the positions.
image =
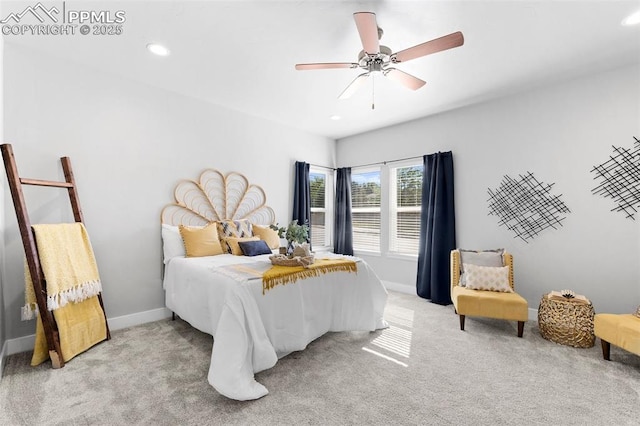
(566, 321)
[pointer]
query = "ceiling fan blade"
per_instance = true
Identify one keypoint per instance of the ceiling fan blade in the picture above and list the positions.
(407, 80)
(325, 66)
(368, 30)
(437, 45)
(353, 86)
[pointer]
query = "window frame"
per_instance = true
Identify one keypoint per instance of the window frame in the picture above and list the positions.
(393, 240)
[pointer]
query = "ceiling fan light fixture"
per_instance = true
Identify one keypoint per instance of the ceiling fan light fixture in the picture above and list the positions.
(158, 49)
(353, 86)
(383, 56)
(633, 19)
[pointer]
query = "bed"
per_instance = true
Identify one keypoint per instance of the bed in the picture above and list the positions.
(225, 296)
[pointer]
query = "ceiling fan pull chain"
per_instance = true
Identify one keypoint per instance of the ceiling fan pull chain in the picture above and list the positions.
(373, 91)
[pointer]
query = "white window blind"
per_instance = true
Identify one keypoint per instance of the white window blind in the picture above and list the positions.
(405, 204)
(365, 209)
(322, 194)
(318, 184)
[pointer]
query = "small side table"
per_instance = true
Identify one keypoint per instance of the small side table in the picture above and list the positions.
(566, 321)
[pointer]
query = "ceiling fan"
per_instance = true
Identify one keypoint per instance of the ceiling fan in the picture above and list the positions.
(378, 58)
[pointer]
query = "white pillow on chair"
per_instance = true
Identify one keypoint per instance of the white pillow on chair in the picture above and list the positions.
(491, 278)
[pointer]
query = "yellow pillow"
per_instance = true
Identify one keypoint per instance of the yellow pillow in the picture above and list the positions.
(234, 244)
(200, 242)
(268, 235)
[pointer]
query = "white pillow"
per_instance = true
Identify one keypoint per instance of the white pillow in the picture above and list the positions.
(172, 245)
(491, 278)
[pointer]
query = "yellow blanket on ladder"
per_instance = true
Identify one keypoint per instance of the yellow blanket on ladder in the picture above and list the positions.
(71, 275)
(80, 326)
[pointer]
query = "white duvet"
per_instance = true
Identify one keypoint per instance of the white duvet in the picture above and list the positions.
(251, 330)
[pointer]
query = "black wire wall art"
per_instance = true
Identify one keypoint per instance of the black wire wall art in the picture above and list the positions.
(619, 179)
(526, 206)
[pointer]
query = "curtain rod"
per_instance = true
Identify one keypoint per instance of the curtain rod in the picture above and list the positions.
(322, 167)
(371, 164)
(389, 161)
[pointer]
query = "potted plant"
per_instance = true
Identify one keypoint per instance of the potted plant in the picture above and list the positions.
(293, 233)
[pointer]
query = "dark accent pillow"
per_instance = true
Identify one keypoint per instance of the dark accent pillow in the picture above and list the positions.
(254, 248)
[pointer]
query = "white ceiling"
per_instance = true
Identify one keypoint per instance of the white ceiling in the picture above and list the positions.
(241, 54)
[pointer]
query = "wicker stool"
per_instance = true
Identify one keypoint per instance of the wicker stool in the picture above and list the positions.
(566, 321)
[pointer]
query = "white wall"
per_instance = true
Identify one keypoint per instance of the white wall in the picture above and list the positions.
(558, 133)
(129, 145)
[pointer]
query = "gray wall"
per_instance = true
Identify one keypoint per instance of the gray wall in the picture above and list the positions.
(2, 190)
(558, 133)
(129, 145)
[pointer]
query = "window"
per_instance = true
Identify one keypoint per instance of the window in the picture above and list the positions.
(386, 204)
(321, 185)
(365, 209)
(405, 190)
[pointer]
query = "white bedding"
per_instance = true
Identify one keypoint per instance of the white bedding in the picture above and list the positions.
(251, 330)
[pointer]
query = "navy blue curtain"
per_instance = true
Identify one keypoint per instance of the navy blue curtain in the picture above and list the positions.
(437, 229)
(302, 195)
(343, 229)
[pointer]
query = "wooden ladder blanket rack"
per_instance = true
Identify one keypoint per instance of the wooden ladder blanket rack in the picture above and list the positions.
(31, 251)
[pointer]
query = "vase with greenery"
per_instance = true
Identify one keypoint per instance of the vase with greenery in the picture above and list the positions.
(293, 233)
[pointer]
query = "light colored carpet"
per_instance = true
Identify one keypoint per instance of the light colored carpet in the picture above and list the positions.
(431, 373)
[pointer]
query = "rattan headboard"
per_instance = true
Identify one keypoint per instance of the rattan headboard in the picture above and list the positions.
(217, 197)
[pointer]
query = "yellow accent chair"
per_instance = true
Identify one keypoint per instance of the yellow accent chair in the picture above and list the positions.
(622, 330)
(483, 303)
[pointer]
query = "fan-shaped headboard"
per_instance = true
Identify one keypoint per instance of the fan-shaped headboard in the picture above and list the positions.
(217, 197)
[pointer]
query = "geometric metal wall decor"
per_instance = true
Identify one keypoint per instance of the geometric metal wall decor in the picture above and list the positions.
(526, 206)
(620, 179)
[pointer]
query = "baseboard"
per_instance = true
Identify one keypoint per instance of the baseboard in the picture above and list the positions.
(533, 315)
(26, 343)
(3, 354)
(401, 288)
(138, 318)
(20, 344)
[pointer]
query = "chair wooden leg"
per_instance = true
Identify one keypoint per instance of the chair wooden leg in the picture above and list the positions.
(520, 328)
(462, 322)
(606, 350)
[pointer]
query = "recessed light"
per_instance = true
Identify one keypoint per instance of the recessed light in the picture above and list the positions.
(335, 117)
(157, 49)
(633, 19)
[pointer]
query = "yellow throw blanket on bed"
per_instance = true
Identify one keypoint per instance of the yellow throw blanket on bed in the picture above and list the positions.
(289, 274)
(71, 275)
